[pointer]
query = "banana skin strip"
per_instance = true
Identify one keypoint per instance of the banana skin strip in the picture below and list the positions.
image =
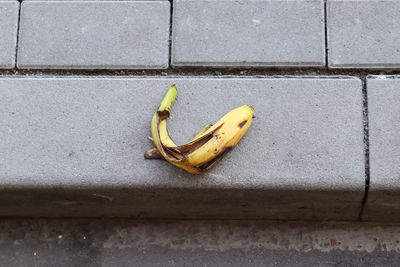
(209, 145)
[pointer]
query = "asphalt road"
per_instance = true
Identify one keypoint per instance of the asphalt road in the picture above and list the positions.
(117, 242)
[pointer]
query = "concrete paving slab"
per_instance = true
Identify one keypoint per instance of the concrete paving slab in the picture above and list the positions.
(363, 34)
(74, 147)
(384, 138)
(266, 33)
(94, 35)
(8, 31)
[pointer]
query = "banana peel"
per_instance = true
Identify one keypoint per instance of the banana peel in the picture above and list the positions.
(208, 146)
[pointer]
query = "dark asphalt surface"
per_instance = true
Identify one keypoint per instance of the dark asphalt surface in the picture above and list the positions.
(84, 242)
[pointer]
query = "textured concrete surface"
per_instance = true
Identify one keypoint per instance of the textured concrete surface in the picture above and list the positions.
(74, 146)
(196, 243)
(248, 33)
(94, 35)
(363, 34)
(384, 137)
(8, 32)
(94, 0)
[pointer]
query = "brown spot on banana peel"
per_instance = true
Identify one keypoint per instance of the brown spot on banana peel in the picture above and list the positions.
(242, 123)
(163, 114)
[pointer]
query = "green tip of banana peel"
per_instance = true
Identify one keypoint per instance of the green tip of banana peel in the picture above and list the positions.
(168, 100)
(209, 145)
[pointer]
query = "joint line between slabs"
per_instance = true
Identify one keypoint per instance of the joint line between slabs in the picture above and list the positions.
(366, 147)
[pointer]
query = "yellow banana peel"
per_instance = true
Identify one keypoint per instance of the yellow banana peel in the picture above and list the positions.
(209, 145)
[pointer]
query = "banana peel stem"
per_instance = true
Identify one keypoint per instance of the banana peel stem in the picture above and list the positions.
(169, 99)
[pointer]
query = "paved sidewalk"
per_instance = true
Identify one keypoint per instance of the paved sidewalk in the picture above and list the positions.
(94, 35)
(8, 32)
(324, 144)
(363, 34)
(66, 34)
(248, 33)
(81, 143)
(384, 128)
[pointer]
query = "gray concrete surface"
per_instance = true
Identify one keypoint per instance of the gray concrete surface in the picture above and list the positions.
(384, 137)
(363, 34)
(94, 0)
(196, 243)
(94, 35)
(74, 146)
(248, 33)
(8, 32)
